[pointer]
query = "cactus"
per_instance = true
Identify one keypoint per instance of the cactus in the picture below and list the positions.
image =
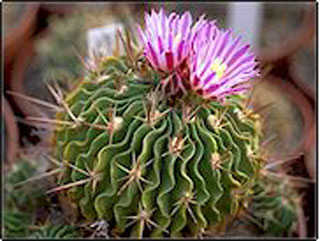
(151, 165)
(55, 231)
(274, 206)
(16, 223)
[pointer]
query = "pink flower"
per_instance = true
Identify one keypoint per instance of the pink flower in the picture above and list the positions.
(210, 61)
(220, 64)
(166, 39)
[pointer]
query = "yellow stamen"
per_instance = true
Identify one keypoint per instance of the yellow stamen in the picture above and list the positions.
(218, 67)
(177, 38)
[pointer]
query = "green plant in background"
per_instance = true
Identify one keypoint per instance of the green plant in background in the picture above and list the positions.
(57, 231)
(18, 224)
(15, 223)
(22, 196)
(22, 203)
(274, 206)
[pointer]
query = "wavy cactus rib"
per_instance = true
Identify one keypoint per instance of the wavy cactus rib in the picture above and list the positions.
(151, 168)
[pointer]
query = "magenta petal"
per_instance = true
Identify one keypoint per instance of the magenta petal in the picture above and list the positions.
(242, 62)
(153, 54)
(185, 22)
(231, 48)
(166, 34)
(212, 88)
(170, 42)
(160, 45)
(196, 81)
(169, 59)
(224, 42)
(235, 63)
(209, 78)
(180, 49)
(238, 54)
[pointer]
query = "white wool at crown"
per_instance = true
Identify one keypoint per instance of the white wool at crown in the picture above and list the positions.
(246, 18)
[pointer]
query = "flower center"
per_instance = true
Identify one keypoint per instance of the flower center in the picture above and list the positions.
(177, 38)
(218, 67)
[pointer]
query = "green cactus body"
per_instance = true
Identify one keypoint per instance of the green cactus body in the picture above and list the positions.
(151, 166)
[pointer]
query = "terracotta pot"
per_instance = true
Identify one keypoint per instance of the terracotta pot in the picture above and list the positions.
(11, 137)
(302, 67)
(287, 120)
(66, 8)
(16, 35)
(294, 40)
(59, 8)
(18, 82)
(310, 152)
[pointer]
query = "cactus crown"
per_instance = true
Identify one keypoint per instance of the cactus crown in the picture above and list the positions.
(146, 152)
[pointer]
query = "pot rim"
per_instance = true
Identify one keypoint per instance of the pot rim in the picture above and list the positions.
(293, 42)
(12, 132)
(21, 32)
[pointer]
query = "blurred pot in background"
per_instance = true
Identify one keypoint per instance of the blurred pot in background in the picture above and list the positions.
(19, 21)
(285, 28)
(59, 8)
(62, 8)
(66, 38)
(287, 116)
(11, 134)
(24, 75)
(52, 55)
(310, 152)
(302, 67)
(213, 10)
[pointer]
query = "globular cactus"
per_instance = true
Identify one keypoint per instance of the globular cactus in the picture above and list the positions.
(141, 156)
(152, 156)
